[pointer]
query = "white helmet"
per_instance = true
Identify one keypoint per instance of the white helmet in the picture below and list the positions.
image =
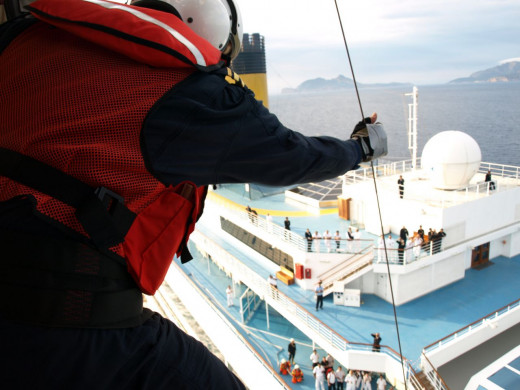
(296, 367)
(283, 361)
(217, 21)
(236, 33)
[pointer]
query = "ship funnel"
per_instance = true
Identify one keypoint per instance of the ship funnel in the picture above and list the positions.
(250, 66)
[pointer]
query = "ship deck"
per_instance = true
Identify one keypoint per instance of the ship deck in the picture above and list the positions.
(421, 321)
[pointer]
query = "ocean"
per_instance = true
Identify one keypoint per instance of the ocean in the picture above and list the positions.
(488, 112)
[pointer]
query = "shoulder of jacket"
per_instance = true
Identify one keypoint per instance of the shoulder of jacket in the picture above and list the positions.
(231, 77)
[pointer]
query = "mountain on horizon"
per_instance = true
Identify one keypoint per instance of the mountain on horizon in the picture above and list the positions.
(505, 72)
(338, 83)
(508, 71)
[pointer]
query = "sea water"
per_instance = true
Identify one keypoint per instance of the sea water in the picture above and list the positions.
(489, 112)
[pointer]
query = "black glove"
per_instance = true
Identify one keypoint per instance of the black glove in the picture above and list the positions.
(372, 139)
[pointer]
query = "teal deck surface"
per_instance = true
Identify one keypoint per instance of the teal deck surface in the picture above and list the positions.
(421, 322)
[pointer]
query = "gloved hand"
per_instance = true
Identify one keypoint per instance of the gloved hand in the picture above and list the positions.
(371, 137)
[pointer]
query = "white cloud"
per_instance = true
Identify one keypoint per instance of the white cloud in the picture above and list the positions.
(408, 41)
(517, 59)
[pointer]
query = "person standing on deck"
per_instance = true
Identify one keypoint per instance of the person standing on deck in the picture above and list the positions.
(376, 345)
(318, 291)
(308, 237)
(327, 237)
(291, 349)
(229, 295)
(331, 379)
(317, 240)
(381, 382)
(400, 184)
(319, 374)
(337, 238)
(340, 376)
(350, 239)
(350, 380)
(136, 113)
(287, 226)
(403, 234)
(315, 358)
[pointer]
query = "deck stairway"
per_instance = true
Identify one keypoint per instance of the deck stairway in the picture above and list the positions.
(355, 266)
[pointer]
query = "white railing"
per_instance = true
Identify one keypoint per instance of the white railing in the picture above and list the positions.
(218, 313)
(432, 375)
(339, 245)
(441, 198)
(500, 170)
(282, 302)
(472, 327)
(245, 218)
(409, 254)
(400, 167)
(389, 169)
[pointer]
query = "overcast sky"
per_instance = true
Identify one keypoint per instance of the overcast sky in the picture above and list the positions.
(417, 41)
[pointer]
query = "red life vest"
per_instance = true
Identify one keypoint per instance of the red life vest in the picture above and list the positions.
(285, 368)
(79, 105)
(297, 375)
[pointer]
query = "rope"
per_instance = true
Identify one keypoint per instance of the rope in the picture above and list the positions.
(377, 197)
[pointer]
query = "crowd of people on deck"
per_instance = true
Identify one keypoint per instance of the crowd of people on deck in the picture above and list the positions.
(409, 248)
(332, 243)
(326, 377)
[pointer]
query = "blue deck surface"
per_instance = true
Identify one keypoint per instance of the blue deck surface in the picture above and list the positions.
(421, 321)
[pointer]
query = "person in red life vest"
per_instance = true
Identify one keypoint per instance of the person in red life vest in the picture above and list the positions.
(297, 374)
(115, 119)
(285, 367)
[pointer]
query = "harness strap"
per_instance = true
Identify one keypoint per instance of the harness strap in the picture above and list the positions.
(61, 282)
(101, 212)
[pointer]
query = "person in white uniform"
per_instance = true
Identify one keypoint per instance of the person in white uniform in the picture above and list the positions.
(229, 294)
(319, 375)
(350, 380)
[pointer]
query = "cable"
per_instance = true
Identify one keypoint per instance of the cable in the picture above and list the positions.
(377, 196)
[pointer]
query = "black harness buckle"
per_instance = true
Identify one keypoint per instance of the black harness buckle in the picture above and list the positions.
(109, 198)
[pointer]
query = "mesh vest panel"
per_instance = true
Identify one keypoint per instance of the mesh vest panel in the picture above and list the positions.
(79, 108)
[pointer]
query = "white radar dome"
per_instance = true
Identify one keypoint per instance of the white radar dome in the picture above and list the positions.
(451, 158)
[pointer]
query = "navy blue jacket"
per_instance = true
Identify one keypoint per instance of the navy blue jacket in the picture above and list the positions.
(209, 131)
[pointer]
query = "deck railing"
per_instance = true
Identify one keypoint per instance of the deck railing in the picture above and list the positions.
(333, 244)
(444, 198)
(290, 308)
(246, 343)
(472, 327)
(400, 167)
(388, 169)
(500, 170)
(409, 255)
(433, 375)
(245, 218)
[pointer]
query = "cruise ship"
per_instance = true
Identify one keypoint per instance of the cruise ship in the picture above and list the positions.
(447, 309)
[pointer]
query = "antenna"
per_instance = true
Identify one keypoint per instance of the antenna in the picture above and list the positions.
(412, 126)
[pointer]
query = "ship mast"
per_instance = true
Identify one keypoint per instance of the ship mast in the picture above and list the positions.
(412, 126)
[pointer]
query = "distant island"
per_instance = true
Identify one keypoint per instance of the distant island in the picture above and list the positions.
(505, 72)
(338, 83)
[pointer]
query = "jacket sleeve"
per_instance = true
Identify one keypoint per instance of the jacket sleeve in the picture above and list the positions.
(209, 131)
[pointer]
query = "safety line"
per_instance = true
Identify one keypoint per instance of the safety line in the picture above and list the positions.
(377, 197)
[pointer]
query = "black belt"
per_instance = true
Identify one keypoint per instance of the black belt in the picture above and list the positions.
(61, 282)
